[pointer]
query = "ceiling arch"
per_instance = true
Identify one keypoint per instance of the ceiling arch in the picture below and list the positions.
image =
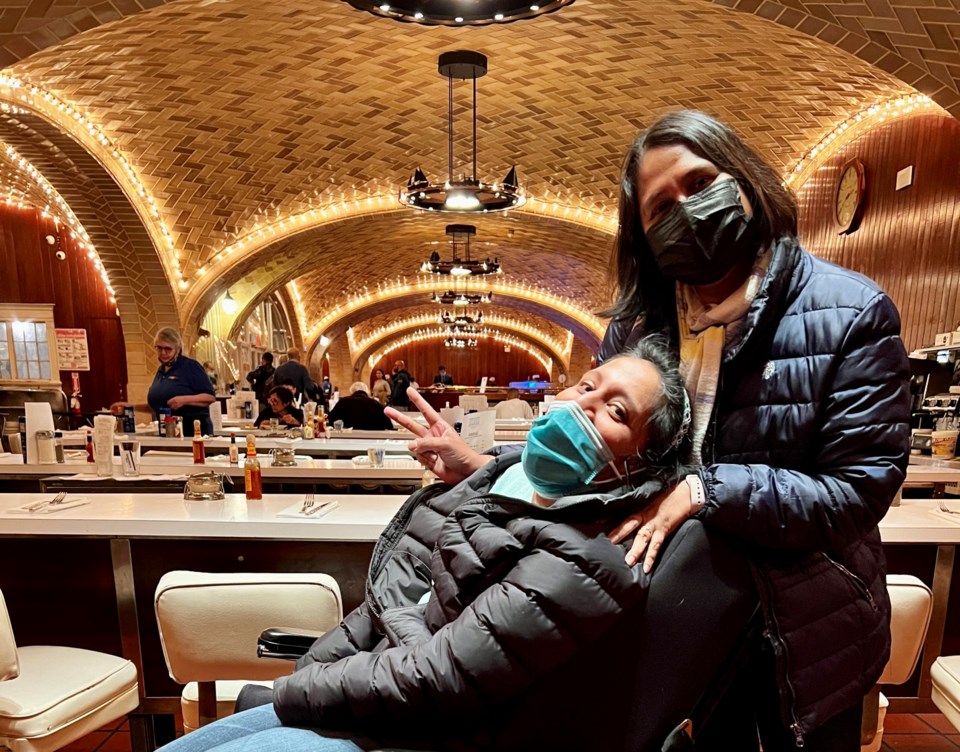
(233, 125)
(333, 261)
(144, 297)
(912, 40)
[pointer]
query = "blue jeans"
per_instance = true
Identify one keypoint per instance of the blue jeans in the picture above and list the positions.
(256, 730)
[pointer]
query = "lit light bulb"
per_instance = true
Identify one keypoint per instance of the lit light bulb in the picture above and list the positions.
(461, 201)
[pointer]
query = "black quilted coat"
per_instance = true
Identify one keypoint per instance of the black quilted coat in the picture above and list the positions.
(807, 447)
(531, 611)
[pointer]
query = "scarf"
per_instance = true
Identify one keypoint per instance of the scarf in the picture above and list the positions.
(705, 330)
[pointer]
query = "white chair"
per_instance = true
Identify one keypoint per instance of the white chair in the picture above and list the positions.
(911, 607)
(52, 696)
(209, 625)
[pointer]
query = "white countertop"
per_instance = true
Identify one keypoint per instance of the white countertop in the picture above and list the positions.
(358, 517)
(920, 521)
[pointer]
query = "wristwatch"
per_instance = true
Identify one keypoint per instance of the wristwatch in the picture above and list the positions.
(698, 494)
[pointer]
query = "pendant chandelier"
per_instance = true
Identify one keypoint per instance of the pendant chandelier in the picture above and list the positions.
(458, 13)
(455, 298)
(461, 265)
(461, 344)
(462, 331)
(466, 194)
(460, 319)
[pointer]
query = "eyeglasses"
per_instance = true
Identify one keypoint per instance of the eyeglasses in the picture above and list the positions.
(163, 348)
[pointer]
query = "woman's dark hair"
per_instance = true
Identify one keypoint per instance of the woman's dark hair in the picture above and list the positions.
(668, 439)
(284, 394)
(641, 288)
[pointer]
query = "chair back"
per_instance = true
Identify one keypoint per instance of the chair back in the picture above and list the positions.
(9, 662)
(209, 623)
(911, 604)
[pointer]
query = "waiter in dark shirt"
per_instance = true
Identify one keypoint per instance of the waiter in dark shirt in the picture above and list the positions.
(443, 378)
(180, 385)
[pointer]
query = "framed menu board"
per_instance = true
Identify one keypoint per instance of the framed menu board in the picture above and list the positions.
(72, 351)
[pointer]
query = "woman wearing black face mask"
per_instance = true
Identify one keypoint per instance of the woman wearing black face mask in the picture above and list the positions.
(799, 384)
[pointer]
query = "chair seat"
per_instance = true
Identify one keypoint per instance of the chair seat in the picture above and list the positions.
(62, 694)
(945, 675)
(227, 692)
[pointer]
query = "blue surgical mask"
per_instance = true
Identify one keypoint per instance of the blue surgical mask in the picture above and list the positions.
(564, 451)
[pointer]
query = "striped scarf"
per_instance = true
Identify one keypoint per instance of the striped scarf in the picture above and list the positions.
(705, 329)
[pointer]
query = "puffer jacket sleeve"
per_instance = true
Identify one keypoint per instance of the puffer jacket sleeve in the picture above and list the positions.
(352, 635)
(860, 462)
(551, 603)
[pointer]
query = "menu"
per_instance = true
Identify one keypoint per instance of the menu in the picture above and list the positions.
(72, 351)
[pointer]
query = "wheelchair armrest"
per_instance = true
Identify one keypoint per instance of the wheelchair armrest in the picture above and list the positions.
(285, 643)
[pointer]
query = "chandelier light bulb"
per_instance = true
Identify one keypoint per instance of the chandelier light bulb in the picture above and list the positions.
(461, 201)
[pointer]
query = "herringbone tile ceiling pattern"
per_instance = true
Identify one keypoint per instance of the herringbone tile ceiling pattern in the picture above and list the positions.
(236, 111)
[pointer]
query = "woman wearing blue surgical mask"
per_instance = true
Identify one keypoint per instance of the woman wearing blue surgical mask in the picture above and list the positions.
(490, 622)
(798, 380)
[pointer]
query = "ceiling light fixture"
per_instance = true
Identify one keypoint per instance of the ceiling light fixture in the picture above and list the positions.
(450, 12)
(454, 298)
(467, 194)
(460, 319)
(228, 304)
(461, 265)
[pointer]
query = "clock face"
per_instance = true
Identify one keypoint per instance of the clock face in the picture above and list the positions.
(849, 195)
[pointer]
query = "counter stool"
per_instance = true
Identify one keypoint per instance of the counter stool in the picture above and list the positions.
(911, 606)
(209, 625)
(52, 696)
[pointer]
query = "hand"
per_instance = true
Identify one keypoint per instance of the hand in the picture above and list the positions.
(438, 446)
(655, 522)
(117, 408)
(289, 420)
(175, 403)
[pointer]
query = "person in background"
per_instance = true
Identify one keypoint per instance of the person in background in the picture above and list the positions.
(296, 372)
(443, 378)
(399, 382)
(211, 374)
(180, 384)
(381, 387)
(259, 377)
(514, 407)
(326, 392)
(280, 406)
(360, 410)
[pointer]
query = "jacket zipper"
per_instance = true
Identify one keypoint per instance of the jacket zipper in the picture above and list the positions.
(780, 647)
(858, 583)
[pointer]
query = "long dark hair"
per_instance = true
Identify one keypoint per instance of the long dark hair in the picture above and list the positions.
(641, 288)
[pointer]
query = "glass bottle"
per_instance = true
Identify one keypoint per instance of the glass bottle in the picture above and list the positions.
(234, 452)
(199, 455)
(58, 438)
(46, 448)
(321, 431)
(90, 458)
(252, 479)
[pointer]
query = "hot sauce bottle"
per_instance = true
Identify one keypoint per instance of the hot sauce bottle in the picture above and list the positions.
(252, 479)
(199, 455)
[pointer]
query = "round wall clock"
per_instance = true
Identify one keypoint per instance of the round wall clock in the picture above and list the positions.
(850, 196)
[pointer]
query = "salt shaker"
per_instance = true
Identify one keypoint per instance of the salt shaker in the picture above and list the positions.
(46, 448)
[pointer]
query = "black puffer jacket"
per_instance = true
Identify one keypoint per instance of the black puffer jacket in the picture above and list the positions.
(507, 653)
(807, 447)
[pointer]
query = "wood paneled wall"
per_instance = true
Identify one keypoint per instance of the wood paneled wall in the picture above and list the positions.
(32, 274)
(908, 240)
(466, 366)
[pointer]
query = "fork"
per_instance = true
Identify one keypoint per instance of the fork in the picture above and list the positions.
(58, 499)
(307, 503)
(942, 506)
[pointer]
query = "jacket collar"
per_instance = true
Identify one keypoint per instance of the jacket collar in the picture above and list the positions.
(773, 296)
